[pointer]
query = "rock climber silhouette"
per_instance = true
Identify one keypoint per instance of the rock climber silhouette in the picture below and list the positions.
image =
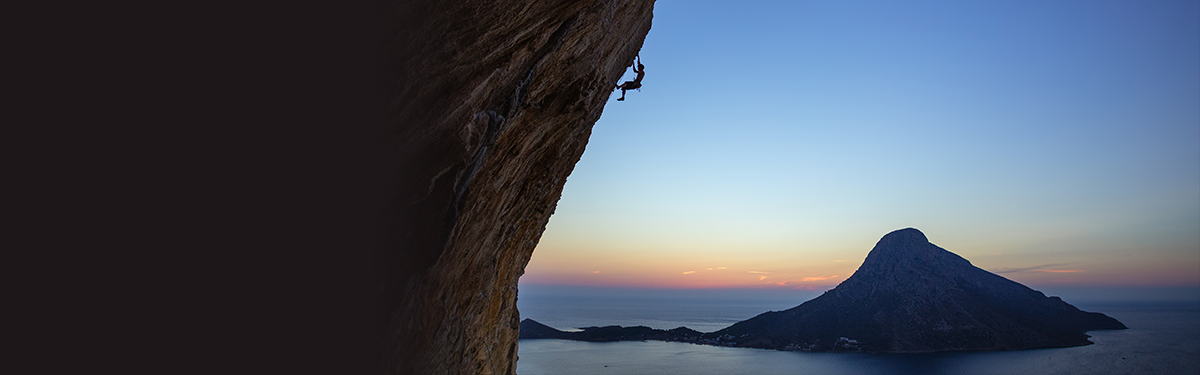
(636, 83)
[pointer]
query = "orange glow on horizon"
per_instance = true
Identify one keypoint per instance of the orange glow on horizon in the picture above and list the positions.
(813, 263)
(688, 278)
(818, 278)
(813, 276)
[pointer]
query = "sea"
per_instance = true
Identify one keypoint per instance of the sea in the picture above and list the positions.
(1163, 338)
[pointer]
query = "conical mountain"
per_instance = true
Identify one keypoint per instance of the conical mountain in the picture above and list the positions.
(910, 295)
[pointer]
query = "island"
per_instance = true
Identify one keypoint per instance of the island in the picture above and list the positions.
(908, 296)
(531, 329)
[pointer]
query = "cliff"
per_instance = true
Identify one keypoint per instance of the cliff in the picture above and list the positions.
(910, 295)
(491, 106)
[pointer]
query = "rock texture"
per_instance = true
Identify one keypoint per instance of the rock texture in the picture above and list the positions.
(492, 105)
(910, 295)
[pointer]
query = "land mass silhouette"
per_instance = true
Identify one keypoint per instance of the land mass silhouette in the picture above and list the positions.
(908, 296)
(531, 329)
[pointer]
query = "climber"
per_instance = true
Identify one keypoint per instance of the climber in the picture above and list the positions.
(636, 83)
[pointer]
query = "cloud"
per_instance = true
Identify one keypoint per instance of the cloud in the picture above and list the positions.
(761, 278)
(818, 278)
(595, 271)
(689, 272)
(1028, 269)
(720, 268)
(783, 283)
(765, 273)
(710, 268)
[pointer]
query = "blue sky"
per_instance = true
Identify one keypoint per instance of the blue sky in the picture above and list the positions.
(780, 140)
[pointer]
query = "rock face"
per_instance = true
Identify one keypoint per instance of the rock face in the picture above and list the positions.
(492, 103)
(910, 295)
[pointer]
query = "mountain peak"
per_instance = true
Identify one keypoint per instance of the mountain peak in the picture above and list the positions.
(910, 295)
(909, 249)
(904, 236)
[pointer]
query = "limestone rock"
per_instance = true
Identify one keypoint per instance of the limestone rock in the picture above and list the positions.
(492, 103)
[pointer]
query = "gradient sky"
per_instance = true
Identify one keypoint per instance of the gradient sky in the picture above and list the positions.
(773, 143)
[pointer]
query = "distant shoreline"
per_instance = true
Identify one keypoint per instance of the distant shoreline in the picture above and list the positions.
(533, 330)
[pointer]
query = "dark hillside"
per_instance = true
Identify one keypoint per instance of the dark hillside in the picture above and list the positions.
(910, 295)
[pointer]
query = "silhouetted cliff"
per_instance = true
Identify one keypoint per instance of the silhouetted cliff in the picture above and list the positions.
(910, 295)
(492, 103)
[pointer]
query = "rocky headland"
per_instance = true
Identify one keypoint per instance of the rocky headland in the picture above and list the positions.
(531, 329)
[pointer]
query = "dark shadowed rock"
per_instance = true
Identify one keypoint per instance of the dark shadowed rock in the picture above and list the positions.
(491, 106)
(910, 295)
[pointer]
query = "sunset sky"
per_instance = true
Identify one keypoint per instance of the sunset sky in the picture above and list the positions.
(773, 143)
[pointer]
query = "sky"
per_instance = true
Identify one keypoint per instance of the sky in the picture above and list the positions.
(773, 143)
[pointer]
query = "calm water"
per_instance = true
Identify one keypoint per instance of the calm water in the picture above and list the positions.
(701, 312)
(1164, 338)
